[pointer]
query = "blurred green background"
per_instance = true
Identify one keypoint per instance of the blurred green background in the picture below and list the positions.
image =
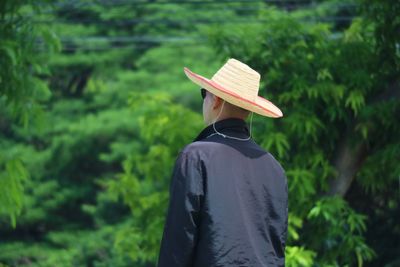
(94, 107)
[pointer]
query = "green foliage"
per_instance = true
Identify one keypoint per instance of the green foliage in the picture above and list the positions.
(22, 63)
(147, 174)
(342, 228)
(67, 248)
(299, 257)
(101, 160)
(11, 179)
(21, 91)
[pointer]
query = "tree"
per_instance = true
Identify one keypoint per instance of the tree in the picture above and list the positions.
(21, 91)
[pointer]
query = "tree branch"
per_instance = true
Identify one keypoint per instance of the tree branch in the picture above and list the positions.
(349, 158)
(347, 163)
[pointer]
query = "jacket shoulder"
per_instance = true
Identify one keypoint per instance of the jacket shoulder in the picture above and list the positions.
(277, 163)
(198, 148)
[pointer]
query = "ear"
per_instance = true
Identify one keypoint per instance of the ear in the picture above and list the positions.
(217, 102)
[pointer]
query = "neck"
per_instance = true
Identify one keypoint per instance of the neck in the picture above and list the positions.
(226, 116)
(230, 137)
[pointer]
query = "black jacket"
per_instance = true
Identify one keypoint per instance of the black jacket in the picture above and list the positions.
(228, 203)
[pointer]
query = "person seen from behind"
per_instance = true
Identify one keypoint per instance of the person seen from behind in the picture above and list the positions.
(228, 196)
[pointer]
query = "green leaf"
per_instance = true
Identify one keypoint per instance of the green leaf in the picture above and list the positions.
(9, 51)
(355, 101)
(324, 74)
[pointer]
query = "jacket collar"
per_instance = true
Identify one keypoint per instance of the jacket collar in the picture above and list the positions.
(232, 127)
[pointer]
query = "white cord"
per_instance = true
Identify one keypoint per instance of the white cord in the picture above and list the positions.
(227, 136)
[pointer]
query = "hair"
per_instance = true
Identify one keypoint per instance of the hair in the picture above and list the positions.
(237, 110)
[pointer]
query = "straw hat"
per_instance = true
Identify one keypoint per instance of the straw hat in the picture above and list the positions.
(238, 84)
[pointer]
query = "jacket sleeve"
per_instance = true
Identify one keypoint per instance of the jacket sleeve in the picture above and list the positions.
(183, 217)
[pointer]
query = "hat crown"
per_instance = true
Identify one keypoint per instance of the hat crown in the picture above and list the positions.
(239, 78)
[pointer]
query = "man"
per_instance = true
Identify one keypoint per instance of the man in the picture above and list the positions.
(228, 197)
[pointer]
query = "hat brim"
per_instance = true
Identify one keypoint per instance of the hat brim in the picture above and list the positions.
(260, 106)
